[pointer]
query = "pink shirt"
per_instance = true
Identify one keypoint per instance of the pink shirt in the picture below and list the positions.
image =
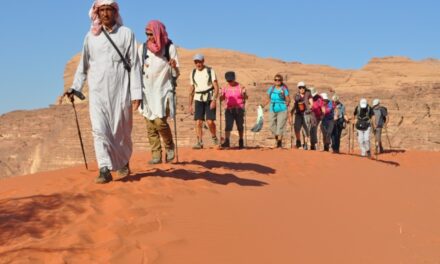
(234, 97)
(317, 107)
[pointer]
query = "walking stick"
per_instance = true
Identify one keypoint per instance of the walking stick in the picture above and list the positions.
(388, 138)
(245, 133)
(220, 101)
(375, 144)
(82, 97)
(349, 139)
(291, 135)
(352, 138)
(174, 83)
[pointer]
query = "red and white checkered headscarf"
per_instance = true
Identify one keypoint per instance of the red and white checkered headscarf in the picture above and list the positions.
(96, 27)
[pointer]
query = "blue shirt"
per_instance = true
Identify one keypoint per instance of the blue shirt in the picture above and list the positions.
(278, 98)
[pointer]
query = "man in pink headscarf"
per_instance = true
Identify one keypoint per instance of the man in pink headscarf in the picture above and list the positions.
(160, 64)
(114, 88)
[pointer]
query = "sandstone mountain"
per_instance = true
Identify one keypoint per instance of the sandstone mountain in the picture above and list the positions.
(46, 139)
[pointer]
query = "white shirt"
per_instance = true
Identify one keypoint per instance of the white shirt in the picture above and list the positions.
(157, 83)
(201, 83)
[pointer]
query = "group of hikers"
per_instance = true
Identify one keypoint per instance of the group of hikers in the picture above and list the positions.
(124, 78)
(312, 111)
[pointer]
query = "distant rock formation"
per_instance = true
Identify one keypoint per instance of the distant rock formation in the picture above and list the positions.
(46, 139)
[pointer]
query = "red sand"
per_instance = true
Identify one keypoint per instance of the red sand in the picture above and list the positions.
(250, 206)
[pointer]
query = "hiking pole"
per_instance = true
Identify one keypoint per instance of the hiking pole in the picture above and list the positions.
(375, 144)
(174, 84)
(220, 102)
(349, 139)
(245, 133)
(388, 138)
(82, 97)
(352, 138)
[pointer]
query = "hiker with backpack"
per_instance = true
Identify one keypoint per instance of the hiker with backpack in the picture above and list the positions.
(327, 123)
(114, 87)
(234, 95)
(302, 112)
(203, 94)
(340, 121)
(279, 99)
(362, 115)
(380, 120)
(316, 103)
(159, 62)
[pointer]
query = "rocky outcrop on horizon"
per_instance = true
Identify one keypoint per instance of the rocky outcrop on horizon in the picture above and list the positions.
(45, 139)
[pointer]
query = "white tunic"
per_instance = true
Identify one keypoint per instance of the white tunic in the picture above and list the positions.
(157, 83)
(111, 92)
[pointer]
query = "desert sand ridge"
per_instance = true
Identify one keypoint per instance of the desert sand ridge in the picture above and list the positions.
(46, 139)
(240, 206)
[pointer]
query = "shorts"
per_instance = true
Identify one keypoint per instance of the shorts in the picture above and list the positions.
(203, 111)
(302, 121)
(234, 114)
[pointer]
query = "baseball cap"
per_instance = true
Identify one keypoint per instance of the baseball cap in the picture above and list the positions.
(198, 57)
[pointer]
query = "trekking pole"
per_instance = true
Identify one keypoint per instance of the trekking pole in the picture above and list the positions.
(352, 138)
(375, 144)
(174, 84)
(291, 136)
(349, 138)
(220, 102)
(245, 133)
(82, 97)
(388, 138)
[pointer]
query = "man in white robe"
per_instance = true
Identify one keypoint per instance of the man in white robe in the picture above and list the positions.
(160, 64)
(113, 90)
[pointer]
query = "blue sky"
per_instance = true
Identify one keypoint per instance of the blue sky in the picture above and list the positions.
(39, 37)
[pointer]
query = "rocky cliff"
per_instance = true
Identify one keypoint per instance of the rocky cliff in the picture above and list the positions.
(46, 139)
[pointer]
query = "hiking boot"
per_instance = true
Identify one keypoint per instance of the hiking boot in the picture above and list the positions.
(226, 143)
(326, 147)
(104, 176)
(313, 147)
(169, 155)
(369, 154)
(154, 161)
(305, 147)
(279, 144)
(124, 171)
(198, 145)
(298, 144)
(214, 140)
(241, 143)
(380, 148)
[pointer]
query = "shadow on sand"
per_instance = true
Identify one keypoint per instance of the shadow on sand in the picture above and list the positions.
(388, 162)
(236, 166)
(35, 216)
(187, 175)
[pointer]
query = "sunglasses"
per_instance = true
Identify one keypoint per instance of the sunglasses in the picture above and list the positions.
(149, 34)
(277, 80)
(302, 87)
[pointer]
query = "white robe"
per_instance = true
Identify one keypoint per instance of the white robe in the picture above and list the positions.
(157, 84)
(111, 91)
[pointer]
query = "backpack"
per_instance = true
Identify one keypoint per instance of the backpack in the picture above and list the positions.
(302, 104)
(209, 76)
(382, 115)
(363, 122)
(282, 95)
(145, 53)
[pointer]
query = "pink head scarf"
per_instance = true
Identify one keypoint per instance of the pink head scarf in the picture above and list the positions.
(96, 27)
(160, 36)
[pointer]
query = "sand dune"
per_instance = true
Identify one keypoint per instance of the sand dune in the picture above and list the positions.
(250, 206)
